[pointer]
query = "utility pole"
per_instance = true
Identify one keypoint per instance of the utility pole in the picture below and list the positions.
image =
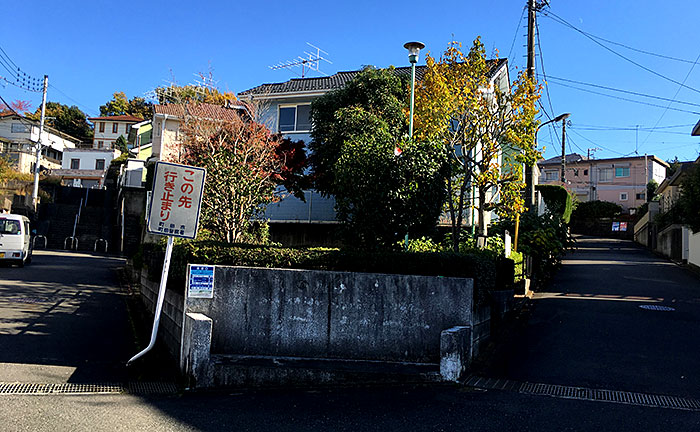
(35, 193)
(563, 152)
(530, 170)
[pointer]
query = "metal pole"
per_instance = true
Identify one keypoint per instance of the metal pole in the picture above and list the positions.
(159, 303)
(530, 170)
(413, 88)
(35, 193)
(563, 152)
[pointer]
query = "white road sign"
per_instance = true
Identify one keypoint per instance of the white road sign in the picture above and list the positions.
(176, 200)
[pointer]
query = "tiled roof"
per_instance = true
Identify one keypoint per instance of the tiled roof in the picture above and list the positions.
(339, 80)
(6, 113)
(570, 158)
(126, 118)
(202, 110)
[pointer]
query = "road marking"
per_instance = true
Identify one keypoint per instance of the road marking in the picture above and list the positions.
(587, 394)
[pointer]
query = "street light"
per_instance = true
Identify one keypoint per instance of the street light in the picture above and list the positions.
(561, 118)
(413, 51)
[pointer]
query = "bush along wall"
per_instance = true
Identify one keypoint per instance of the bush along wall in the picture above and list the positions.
(479, 265)
(558, 200)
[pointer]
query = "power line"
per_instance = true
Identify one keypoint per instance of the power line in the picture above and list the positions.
(544, 74)
(598, 144)
(87, 110)
(17, 77)
(626, 99)
(515, 36)
(562, 21)
(646, 95)
(607, 127)
(674, 98)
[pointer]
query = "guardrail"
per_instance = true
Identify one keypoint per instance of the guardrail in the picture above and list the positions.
(73, 243)
(35, 239)
(101, 240)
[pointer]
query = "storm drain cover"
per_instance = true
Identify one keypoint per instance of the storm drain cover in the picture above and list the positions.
(137, 388)
(657, 308)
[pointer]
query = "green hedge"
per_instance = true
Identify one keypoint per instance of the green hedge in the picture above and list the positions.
(479, 265)
(558, 200)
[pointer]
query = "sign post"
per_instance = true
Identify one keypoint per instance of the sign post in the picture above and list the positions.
(174, 209)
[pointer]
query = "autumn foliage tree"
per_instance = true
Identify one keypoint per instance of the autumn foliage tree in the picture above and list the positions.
(245, 165)
(121, 105)
(486, 133)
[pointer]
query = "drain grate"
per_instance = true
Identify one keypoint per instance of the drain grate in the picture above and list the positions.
(657, 308)
(137, 388)
(582, 393)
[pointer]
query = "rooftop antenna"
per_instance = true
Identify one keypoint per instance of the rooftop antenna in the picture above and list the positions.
(310, 62)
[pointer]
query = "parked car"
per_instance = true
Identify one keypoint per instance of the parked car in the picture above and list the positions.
(15, 239)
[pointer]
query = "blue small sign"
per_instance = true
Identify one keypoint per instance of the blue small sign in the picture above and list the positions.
(200, 281)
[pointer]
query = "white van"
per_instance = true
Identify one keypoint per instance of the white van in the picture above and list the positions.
(15, 239)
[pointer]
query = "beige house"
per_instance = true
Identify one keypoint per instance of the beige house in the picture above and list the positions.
(168, 119)
(109, 128)
(18, 138)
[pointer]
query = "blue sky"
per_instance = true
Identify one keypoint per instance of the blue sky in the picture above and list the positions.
(92, 49)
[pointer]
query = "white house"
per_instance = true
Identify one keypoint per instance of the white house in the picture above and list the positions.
(85, 167)
(109, 128)
(18, 138)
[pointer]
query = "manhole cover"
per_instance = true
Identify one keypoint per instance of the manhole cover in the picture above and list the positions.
(657, 308)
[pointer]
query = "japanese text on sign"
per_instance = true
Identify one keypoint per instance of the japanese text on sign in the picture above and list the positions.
(176, 200)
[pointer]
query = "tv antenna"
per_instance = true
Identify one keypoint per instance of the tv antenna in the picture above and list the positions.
(310, 62)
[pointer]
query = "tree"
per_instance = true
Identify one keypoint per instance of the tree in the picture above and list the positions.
(245, 163)
(651, 191)
(689, 200)
(384, 185)
(120, 105)
(674, 165)
(487, 134)
(121, 144)
(18, 106)
(67, 119)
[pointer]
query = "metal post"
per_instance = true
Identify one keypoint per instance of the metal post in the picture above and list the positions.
(35, 193)
(159, 303)
(563, 152)
(413, 88)
(530, 170)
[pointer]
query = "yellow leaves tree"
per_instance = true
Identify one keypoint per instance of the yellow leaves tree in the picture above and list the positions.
(486, 132)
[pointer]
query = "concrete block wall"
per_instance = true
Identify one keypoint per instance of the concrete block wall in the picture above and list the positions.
(333, 314)
(170, 329)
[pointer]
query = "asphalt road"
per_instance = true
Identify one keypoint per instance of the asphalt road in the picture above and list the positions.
(63, 318)
(588, 330)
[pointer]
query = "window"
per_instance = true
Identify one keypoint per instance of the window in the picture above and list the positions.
(623, 196)
(9, 226)
(75, 164)
(640, 196)
(622, 172)
(575, 172)
(551, 175)
(100, 164)
(19, 128)
(115, 127)
(605, 174)
(585, 172)
(295, 118)
(102, 126)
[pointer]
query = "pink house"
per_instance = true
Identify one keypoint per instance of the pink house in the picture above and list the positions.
(620, 180)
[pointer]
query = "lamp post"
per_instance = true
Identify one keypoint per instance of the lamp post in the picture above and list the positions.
(531, 185)
(413, 51)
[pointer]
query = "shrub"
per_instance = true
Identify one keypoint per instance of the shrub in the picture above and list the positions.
(595, 210)
(479, 265)
(558, 200)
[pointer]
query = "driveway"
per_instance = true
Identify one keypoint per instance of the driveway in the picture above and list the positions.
(615, 317)
(63, 318)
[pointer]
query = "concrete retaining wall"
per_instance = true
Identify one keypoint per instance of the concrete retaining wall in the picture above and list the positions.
(333, 314)
(170, 329)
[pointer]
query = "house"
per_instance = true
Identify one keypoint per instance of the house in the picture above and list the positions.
(674, 239)
(109, 128)
(620, 180)
(18, 138)
(167, 123)
(85, 167)
(140, 135)
(286, 108)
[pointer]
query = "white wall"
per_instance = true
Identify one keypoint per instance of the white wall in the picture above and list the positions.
(55, 141)
(88, 157)
(694, 248)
